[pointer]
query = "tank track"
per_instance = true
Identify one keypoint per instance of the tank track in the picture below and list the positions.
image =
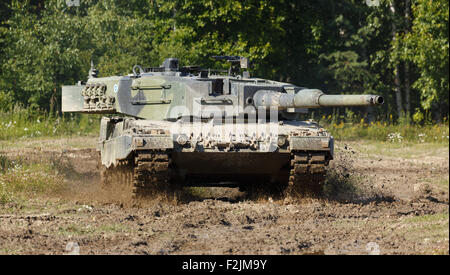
(151, 172)
(146, 173)
(307, 172)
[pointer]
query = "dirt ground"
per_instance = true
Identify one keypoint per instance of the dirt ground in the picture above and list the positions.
(378, 199)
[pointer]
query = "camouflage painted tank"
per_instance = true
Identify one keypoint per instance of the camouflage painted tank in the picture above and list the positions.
(191, 126)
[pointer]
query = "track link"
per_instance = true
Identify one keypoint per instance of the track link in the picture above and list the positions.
(307, 173)
(144, 174)
(151, 172)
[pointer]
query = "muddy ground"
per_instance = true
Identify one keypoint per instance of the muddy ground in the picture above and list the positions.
(378, 198)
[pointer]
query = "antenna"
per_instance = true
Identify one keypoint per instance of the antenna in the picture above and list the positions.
(93, 72)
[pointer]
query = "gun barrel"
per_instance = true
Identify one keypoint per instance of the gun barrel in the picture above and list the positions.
(350, 100)
(312, 98)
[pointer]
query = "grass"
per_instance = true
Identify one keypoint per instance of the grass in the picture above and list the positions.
(20, 181)
(430, 233)
(405, 150)
(55, 143)
(428, 218)
(391, 133)
(8, 251)
(440, 182)
(20, 123)
(428, 229)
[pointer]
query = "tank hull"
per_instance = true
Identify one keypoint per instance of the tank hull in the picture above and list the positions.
(121, 137)
(208, 153)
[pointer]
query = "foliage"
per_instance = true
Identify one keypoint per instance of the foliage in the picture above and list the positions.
(337, 46)
(427, 46)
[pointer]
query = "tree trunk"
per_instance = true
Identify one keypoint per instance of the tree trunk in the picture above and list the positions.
(407, 89)
(407, 71)
(436, 113)
(398, 92)
(53, 110)
(397, 89)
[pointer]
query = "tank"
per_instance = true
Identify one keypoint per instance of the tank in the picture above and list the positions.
(169, 126)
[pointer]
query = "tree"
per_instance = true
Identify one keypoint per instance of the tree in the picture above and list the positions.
(427, 47)
(337, 46)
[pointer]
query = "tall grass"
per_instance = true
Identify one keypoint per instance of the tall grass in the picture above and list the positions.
(19, 180)
(20, 122)
(388, 131)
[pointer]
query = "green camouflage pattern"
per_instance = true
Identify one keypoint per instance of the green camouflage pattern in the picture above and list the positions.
(212, 124)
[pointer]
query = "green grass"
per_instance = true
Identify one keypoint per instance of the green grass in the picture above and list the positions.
(428, 218)
(406, 150)
(12, 251)
(20, 123)
(201, 192)
(391, 133)
(429, 232)
(440, 182)
(20, 181)
(427, 228)
(53, 143)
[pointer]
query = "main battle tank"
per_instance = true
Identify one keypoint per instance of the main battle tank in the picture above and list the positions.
(172, 126)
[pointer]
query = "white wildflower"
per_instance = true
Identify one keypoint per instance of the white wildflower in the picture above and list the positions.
(394, 137)
(422, 137)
